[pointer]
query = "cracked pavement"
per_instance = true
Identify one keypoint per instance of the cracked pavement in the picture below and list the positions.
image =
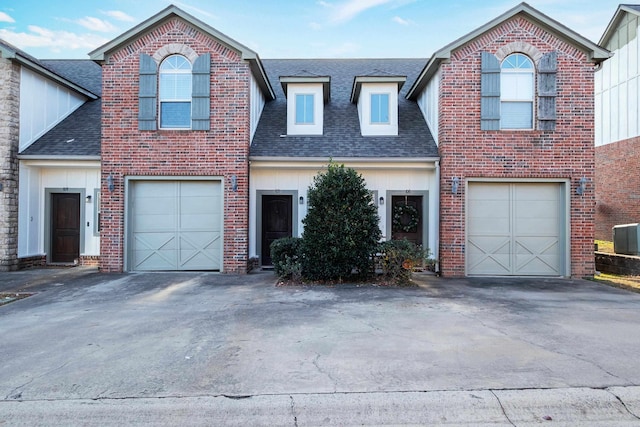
(152, 348)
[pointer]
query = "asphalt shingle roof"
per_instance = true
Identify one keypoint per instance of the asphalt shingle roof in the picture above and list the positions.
(82, 72)
(76, 135)
(79, 133)
(341, 136)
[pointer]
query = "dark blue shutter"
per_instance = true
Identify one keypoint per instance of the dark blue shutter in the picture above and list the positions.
(201, 87)
(490, 93)
(148, 92)
(547, 91)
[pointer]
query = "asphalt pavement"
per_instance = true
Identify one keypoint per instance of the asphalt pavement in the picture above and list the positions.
(211, 349)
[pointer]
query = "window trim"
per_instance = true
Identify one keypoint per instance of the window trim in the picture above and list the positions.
(531, 71)
(185, 100)
(313, 109)
(371, 110)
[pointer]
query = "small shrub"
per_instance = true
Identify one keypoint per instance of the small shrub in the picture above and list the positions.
(398, 257)
(341, 231)
(285, 256)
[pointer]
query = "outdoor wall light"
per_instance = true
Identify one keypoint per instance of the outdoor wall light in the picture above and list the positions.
(234, 183)
(88, 198)
(381, 200)
(110, 184)
(0, 186)
(455, 183)
(582, 186)
(301, 200)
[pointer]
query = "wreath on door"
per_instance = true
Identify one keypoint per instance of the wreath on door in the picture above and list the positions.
(405, 218)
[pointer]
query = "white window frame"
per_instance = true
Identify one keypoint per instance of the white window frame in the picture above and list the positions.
(369, 128)
(162, 100)
(315, 128)
(515, 72)
(313, 112)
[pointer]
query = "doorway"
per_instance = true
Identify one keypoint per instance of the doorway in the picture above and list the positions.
(65, 227)
(277, 222)
(407, 218)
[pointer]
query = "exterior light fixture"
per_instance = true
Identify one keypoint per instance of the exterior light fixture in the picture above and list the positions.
(381, 201)
(110, 184)
(234, 183)
(88, 198)
(455, 183)
(582, 186)
(301, 200)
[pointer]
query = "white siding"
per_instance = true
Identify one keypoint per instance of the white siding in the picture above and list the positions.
(617, 101)
(379, 177)
(257, 104)
(364, 109)
(43, 104)
(428, 101)
(35, 178)
(317, 127)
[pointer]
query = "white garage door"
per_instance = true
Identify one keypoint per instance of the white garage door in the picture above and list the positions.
(175, 225)
(515, 229)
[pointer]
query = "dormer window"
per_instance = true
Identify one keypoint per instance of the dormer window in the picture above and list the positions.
(380, 108)
(377, 100)
(304, 108)
(306, 95)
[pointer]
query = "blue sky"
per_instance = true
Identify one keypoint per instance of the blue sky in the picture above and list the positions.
(285, 28)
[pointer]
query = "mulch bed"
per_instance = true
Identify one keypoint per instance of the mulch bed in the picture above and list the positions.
(6, 298)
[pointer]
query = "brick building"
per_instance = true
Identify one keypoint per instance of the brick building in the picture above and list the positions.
(207, 151)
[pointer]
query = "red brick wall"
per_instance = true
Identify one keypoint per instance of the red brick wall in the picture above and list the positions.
(617, 188)
(468, 152)
(223, 151)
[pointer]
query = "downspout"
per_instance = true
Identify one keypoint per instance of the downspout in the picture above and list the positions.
(436, 250)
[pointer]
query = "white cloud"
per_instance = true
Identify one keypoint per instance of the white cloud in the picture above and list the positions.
(96, 24)
(6, 18)
(324, 4)
(401, 21)
(199, 12)
(55, 40)
(315, 26)
(118, 15)
(351, 8)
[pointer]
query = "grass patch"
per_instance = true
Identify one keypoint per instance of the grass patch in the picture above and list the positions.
(631, 283)
(604, 246)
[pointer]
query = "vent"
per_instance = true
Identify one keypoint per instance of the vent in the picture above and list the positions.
(625, 239)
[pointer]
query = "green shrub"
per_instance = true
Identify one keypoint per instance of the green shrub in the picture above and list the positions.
(398, 257)
(285, 256)
(341, 231)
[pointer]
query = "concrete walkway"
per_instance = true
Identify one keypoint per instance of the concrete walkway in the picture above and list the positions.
(210, 349)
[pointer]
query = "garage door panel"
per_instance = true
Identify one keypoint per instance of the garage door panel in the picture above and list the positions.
(176, 225)
(530, 220)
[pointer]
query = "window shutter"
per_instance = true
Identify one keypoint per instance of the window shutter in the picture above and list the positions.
(547, 91)
(200, 104)
(490, 93)
(148, 90)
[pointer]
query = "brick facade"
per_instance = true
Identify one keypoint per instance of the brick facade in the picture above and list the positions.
(9, 138)
(467, 152)
(220, 152)
(617, 190)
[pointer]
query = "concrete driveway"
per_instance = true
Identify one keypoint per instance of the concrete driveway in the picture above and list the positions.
(204, 348)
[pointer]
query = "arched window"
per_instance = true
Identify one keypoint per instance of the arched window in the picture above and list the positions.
(516, 92)
(175, 92)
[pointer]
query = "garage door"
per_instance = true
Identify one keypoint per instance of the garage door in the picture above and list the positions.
(175, 225)
(515, 229)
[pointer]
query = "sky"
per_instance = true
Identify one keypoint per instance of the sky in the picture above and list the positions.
(70, 29)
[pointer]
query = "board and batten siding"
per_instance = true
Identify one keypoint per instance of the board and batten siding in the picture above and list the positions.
(617, 86)
(257, 104)
(43, 104)
(428, 103)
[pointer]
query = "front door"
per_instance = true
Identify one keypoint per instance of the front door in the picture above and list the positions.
(65, 227)
(406, 218)
(276, 222)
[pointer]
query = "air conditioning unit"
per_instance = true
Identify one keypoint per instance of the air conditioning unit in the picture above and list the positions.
(626, 238)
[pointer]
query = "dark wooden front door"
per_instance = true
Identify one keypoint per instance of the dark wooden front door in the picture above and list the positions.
(276, 222)
(407, 219)
(65, 227)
